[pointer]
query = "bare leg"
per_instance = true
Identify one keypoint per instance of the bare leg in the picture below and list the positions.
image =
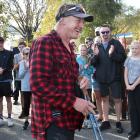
(105, 107)
(9, 105)
(99, 103)
(118, 106)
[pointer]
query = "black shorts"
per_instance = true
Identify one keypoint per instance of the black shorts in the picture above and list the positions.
(5, 89)
(114, 88)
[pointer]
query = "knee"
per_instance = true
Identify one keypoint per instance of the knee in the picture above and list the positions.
(117, 101)
(105, 99)
(97, 95)
(8, 99)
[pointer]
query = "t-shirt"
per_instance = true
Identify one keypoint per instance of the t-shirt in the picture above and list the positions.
(17, 59)
(133, 65)
(105, 45)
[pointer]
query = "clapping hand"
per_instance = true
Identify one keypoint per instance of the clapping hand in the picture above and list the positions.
(111, 50)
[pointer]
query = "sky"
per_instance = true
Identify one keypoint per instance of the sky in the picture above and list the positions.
(134, 3)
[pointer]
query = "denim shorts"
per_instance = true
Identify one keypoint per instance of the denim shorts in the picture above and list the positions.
(95, 86)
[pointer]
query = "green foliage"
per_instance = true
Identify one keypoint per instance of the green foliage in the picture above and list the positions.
(3, 21)
(128, 21)
(48, 21)
(104, 11)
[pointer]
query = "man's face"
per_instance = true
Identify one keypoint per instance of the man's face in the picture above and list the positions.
(73, 26)
(1, 45)
(20, 47)
(105, 33)
(88, 43)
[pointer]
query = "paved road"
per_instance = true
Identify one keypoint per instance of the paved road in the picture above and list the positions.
(16, 132)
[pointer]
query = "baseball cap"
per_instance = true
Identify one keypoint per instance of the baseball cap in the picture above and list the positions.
(75, 10)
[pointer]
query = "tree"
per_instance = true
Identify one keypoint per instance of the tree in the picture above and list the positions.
(48, 21)
(3, 21)
(128, 21)
(27, 16)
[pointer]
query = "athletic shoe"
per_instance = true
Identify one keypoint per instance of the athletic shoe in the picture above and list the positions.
(1, 122)
(10, 122)
(119, 127)
(105, 125)
(26, 124)
(89, 125)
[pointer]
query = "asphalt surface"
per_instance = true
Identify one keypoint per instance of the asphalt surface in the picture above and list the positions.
(17, 133)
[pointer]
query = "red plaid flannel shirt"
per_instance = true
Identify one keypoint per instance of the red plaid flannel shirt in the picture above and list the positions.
(53, 73)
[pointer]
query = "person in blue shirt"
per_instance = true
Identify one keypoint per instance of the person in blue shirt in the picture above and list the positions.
(85, 69)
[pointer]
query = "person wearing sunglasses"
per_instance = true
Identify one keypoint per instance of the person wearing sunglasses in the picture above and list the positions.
(108, 60)
(24, 75)
(57, 108)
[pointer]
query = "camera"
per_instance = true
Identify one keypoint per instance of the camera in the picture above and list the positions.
(97, 31)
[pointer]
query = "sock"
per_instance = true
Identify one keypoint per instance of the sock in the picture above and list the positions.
(1, 116)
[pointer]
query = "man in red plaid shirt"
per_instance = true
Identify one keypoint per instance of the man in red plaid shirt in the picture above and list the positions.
(57, 109)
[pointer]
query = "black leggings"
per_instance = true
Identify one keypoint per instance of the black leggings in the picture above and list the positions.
(27, 102)
(56, 133)
(18, 88)
(134, 108)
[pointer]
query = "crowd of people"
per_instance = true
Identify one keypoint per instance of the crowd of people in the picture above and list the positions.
(60, 80)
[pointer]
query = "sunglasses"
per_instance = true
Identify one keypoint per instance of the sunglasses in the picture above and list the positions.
(77, 8)
(105, 32)
(88, 42)
(25, 53)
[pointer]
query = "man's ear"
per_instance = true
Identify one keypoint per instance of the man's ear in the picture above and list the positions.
(62, 21)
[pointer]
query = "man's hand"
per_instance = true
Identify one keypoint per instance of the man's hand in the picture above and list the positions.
(1, 70)
(111, 50)
(83, 106)
(95, 49)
